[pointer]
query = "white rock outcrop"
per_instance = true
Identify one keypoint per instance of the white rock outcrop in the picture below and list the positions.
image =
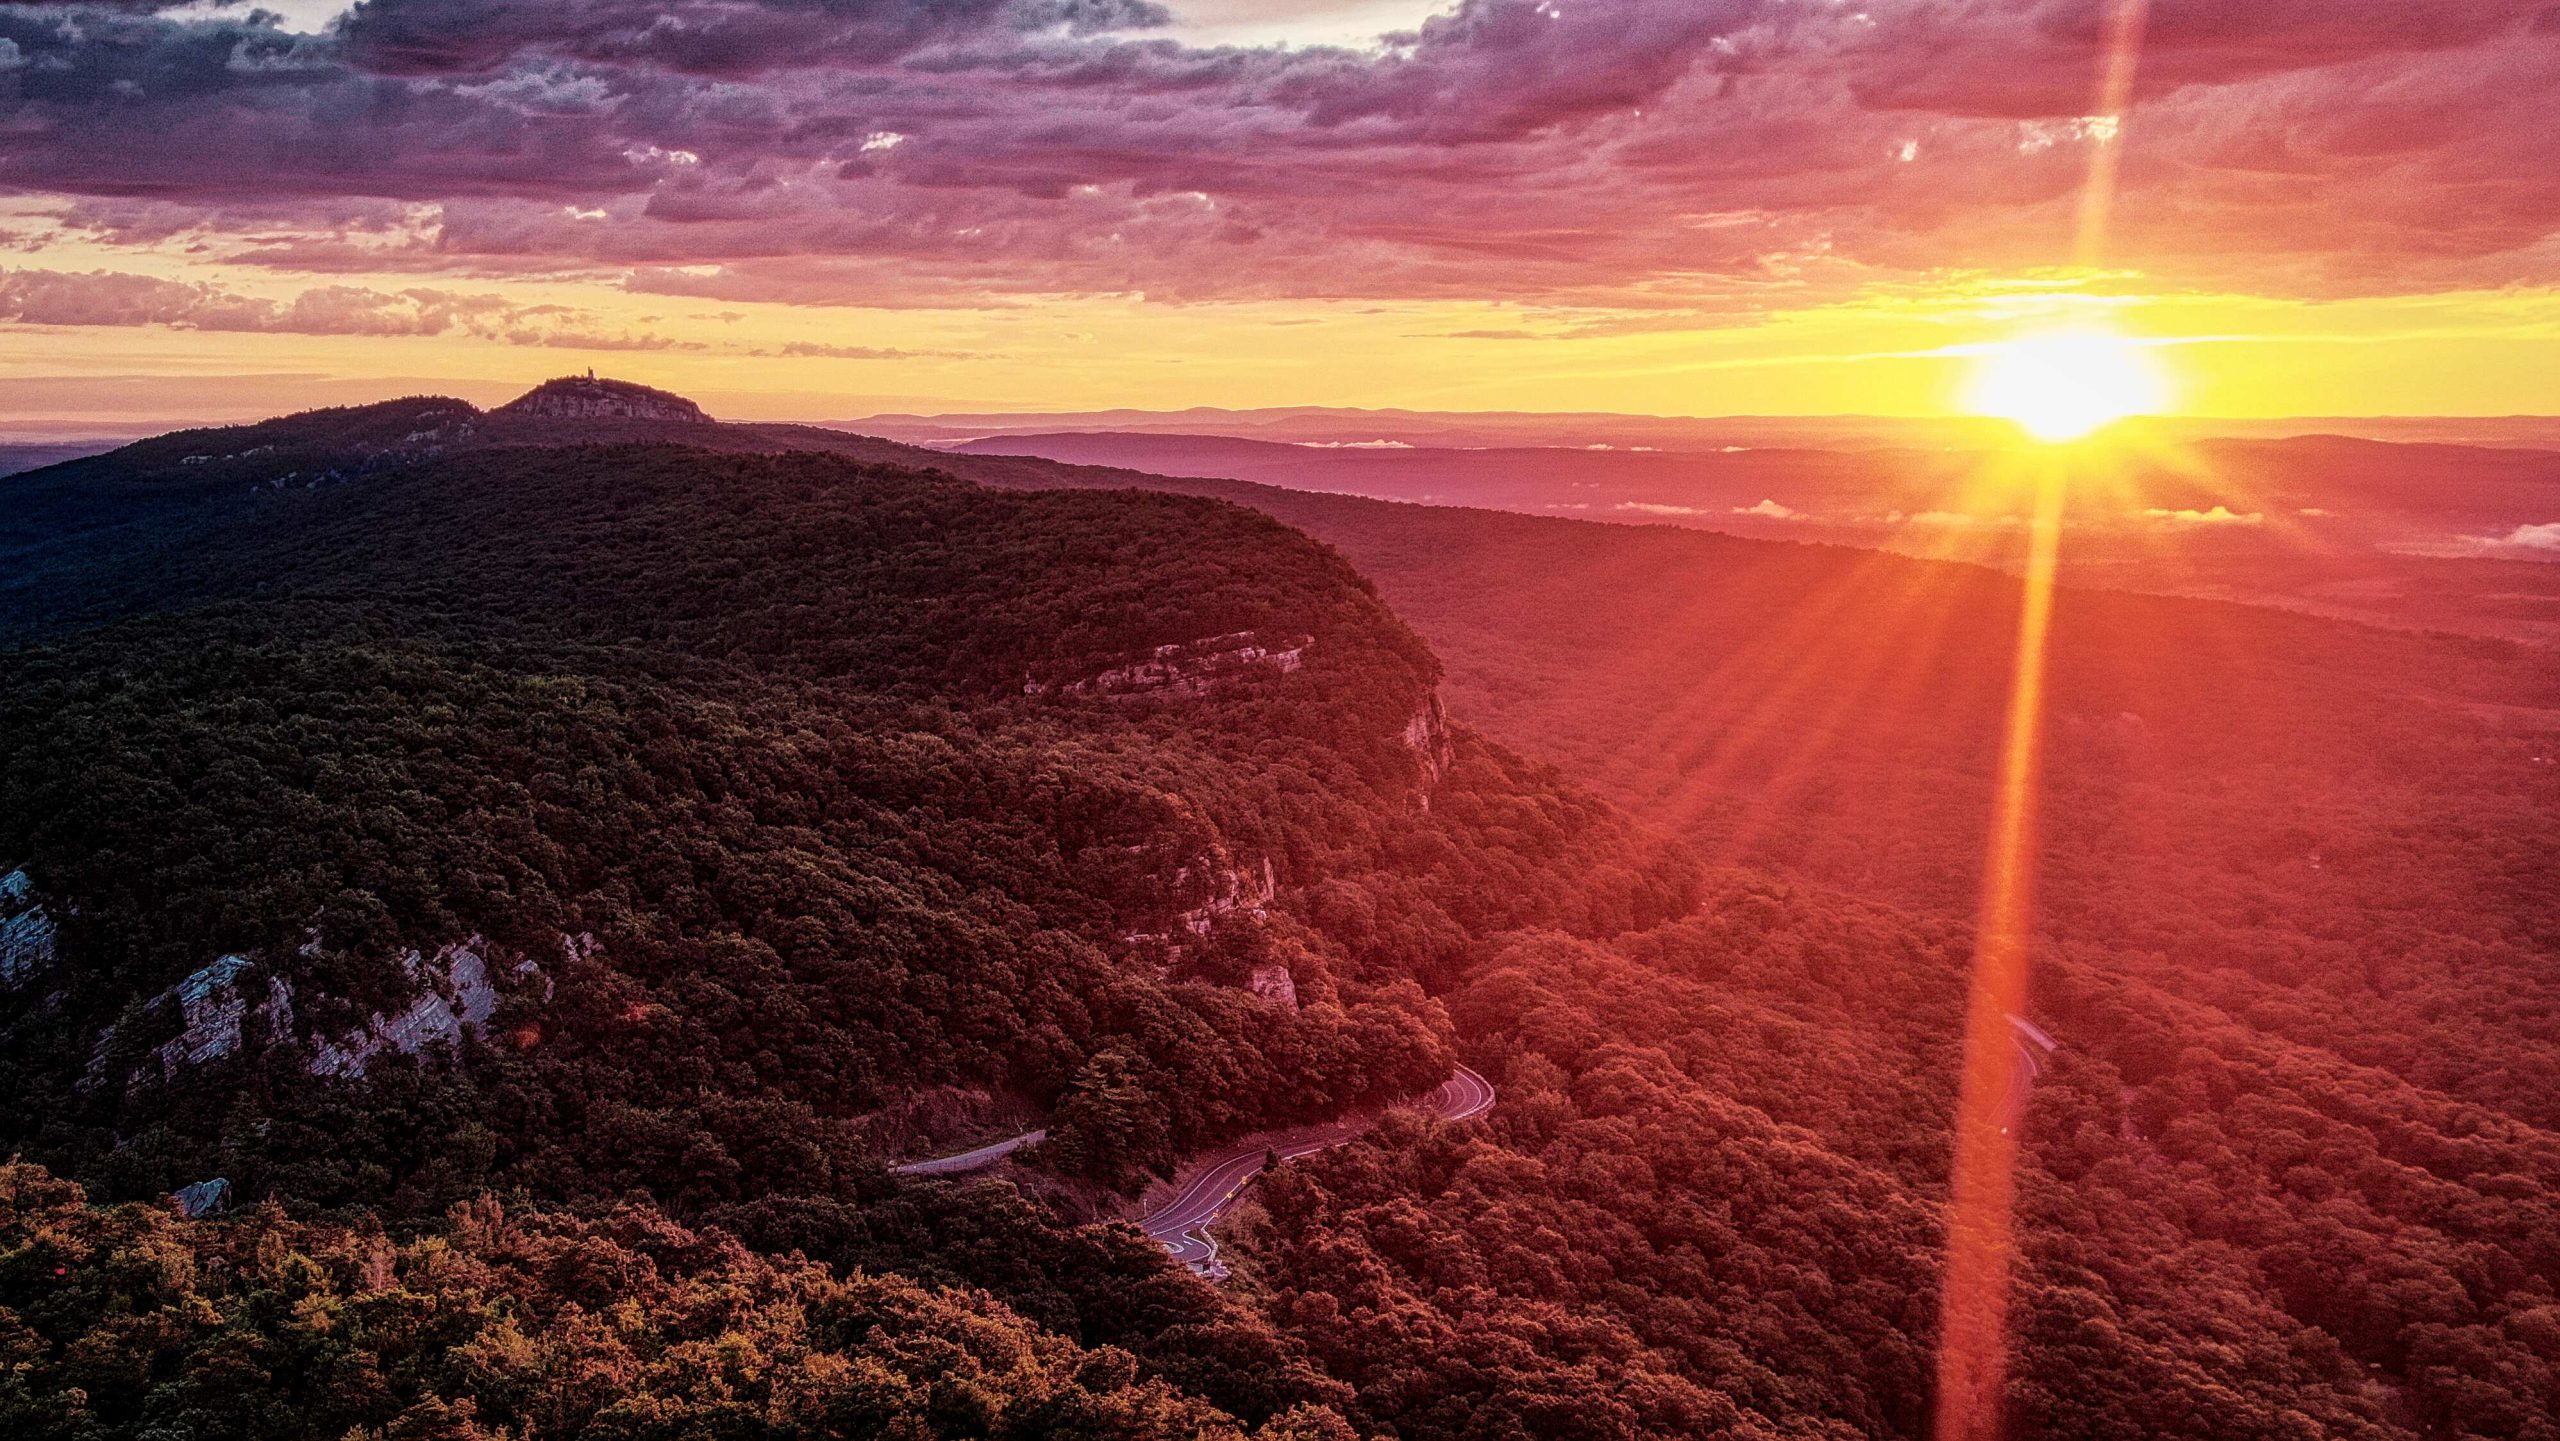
(1274, 984)
(588, 397)
(26, 932)
(456, 997)
(1235, 892)
(217, 1012)
(1427, 733)
(204, 1198)
(1187, 668)
(222, 1010)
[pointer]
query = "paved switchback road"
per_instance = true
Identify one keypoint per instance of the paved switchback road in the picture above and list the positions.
(1182, 1224)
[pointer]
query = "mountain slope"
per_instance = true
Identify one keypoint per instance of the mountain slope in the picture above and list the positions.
(867, 777)
(708, 794)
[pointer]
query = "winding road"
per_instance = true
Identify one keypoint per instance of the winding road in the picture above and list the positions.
(2034, 1050)
(1182, 1224)
(986, 1155)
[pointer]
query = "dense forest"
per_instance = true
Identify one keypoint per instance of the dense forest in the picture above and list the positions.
(499, 1321)
(754, 735)
(806, 813)
(1707, 1202)
(2300, 931)
(2333, 832)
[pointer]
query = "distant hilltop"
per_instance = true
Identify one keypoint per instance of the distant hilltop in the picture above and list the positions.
(585, 397)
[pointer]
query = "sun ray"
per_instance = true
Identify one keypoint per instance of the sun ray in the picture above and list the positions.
(1827, 636)
(1973, 1318)
(1973, 1350)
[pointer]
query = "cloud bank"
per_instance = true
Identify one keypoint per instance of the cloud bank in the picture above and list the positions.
(107, 297)
(1691, 154)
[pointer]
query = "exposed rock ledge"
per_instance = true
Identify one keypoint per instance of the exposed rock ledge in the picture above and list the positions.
(455, 996)
(1274, 984)
(1187, 668)
(222, 1009)
(216, 1009)
(1233, 891)
(26, 932)
(1428, 735)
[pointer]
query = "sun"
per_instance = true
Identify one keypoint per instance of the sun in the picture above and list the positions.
(2062, 384)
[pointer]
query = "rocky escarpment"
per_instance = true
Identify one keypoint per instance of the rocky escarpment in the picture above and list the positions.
(26, 932)
(584, 397)
(1187, 668)
(435, 427)
(237, 1005)
(1223, 892)
(218, 1016)
(1214, 663)
(1220, 889)
(457, 996)
(1428, 735)
(1233, 891)
(1275, 984)
(204, 1198)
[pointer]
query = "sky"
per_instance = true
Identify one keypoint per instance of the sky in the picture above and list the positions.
(824, 208)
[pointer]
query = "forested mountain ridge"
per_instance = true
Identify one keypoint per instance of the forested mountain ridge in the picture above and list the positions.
(64, 526)
(734, 763)
(2299, 940)
(820, 746)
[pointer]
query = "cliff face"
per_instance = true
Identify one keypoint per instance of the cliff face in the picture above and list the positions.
(1428, 734)
(1222, 890)
(1273, 983)
(584, 397)
(1189, 668)
(220, 1012)
(215, 1008)
(26, 932)
(457, 995)
(1233, 892)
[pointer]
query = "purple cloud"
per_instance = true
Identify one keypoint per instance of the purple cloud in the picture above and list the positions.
(107, 297)
(1681, 154)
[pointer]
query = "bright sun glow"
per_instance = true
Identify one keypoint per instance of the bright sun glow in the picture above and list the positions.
(2063, 384)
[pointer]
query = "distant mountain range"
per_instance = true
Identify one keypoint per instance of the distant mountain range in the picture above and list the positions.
(2433, 535)
(1339, 427)
(1343, 426)
(2423, 533)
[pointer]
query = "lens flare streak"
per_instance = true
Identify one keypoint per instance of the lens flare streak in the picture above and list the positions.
(1973, 1320)
(1973, 1312)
